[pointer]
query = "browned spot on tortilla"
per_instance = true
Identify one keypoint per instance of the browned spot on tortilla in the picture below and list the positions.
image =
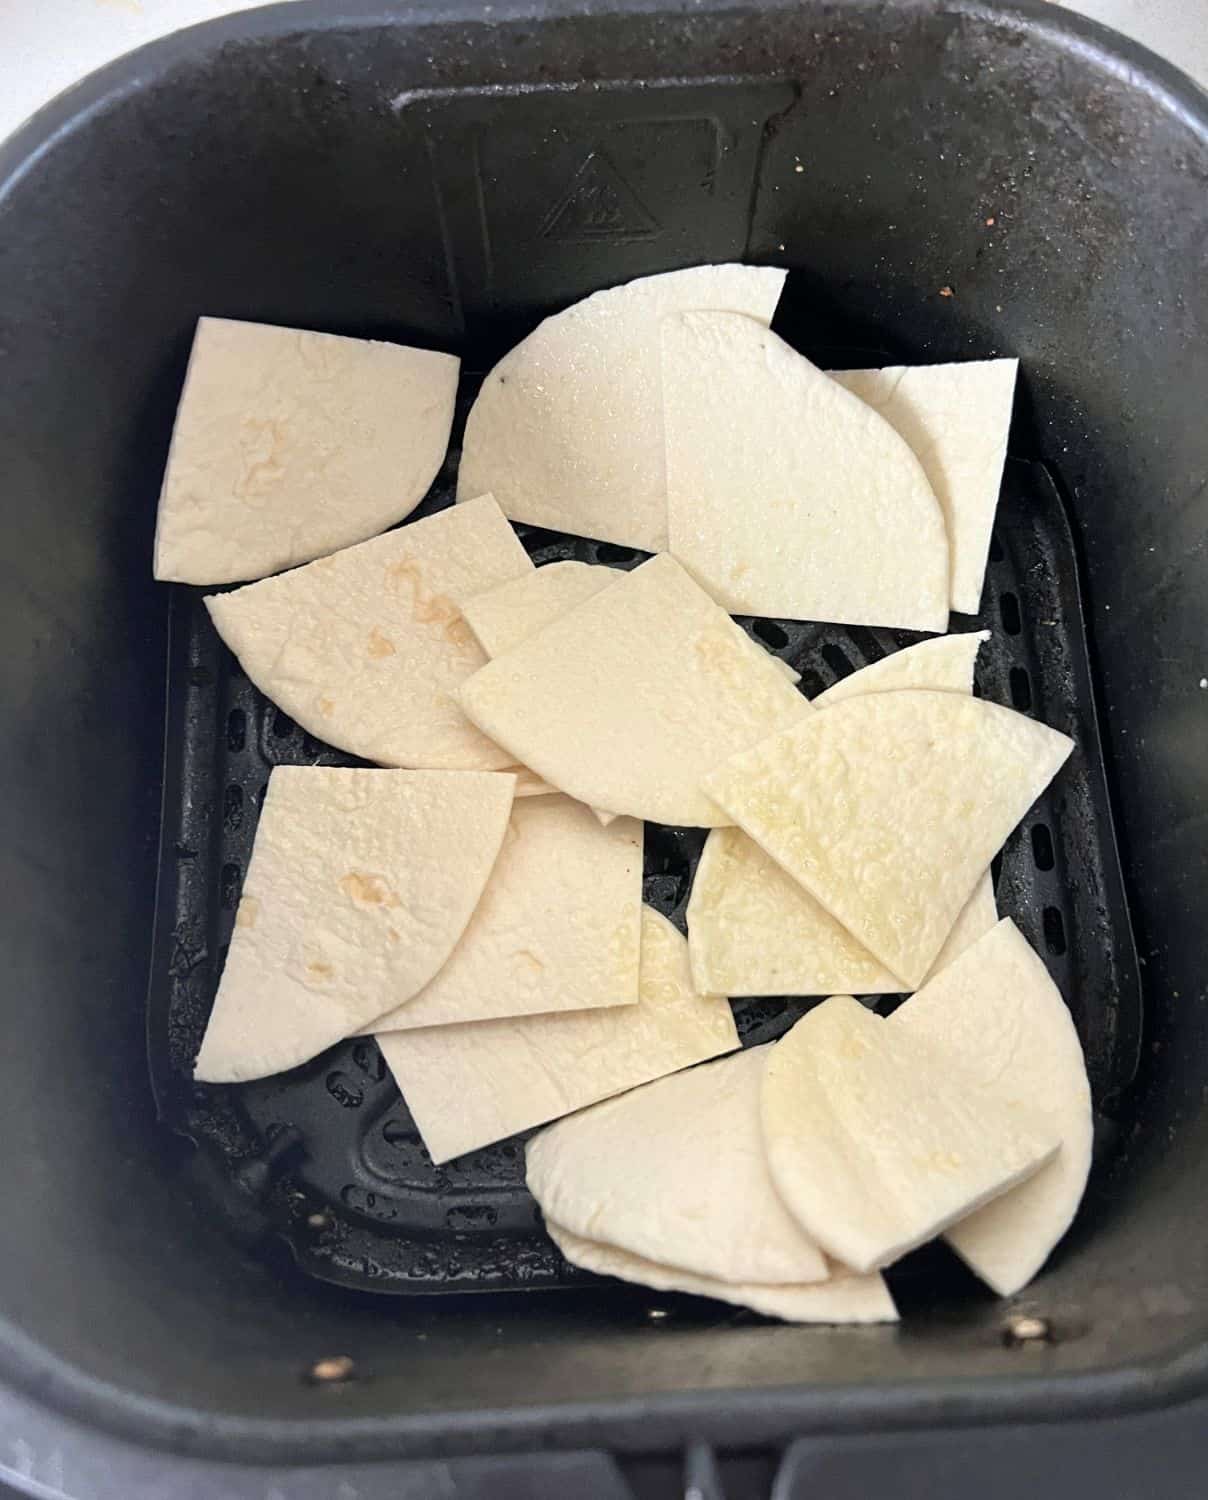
(379, 645)
(326, 707)
(529, 959)
(319, 968)
(368, 890)
(249, 910)
(391, 935)
(459, 633)
(427, 608)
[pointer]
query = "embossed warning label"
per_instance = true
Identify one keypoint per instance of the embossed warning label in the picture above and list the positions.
(599, 205)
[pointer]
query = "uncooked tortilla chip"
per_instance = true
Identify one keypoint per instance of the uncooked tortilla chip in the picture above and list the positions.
(888, 808)
(469, 1085)
(955, 418)
(359, 885)
(289, 445)
(752, 930)
(630, 699)
(843, 1298)
(519, 608)
(877, 1142)
(365, 649)
(786, 495)
(945, 664)
(1001, 1022)
(675, 1172)
(558, 927)
(567, 430)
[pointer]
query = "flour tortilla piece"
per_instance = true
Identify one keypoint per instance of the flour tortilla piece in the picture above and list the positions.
(567, 430)
(627, 701)
(888, 808)
(877, 1142)
(509, 614)
(675, 1172)
(945, 664)
(289, 445)
(365, 649)
(788, 496)
(754, 931)
(558, 927)
(360, 884)
(469, 1085)
(955, 418)
(528, 785)
(843, 1298)
(1001, 1022)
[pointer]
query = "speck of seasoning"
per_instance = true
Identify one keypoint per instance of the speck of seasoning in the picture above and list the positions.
(317, 1221)
(656, 1314)
(331, 1371)
(798, 168)
(990, 222)
(1204, 682)
(946, 291)
(998, 307)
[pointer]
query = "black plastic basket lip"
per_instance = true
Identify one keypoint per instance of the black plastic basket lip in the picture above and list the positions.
(310, 1143)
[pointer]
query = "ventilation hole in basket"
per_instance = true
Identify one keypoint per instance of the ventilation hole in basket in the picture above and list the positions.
(232, 808)
(996, 552)
(236, 729)
(770, 634)
(369, 1060)
(283, 725)
(1021, 689)
(311, 747)
(472, 1216)
(396, 1133)
(837, 661)
(230, 886)
(812, 684)
(1054, 931)
(607, 552)
(1042, 846)
(262, 794)
(1008, 607)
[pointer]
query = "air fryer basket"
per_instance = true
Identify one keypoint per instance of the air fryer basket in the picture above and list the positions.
(328, 1157)
(943, 183)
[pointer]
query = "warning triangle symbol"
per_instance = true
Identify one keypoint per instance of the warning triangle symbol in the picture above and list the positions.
(598, 205)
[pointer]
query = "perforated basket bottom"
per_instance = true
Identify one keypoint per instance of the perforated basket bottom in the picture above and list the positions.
(328, 1157)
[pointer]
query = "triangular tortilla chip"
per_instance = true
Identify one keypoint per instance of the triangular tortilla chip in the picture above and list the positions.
(627, 701)
(945, 664)
(1001, 1022)
(509, 614)
(843, 1298)
(888, 808)
(567, 430)
(558, 927)
(364, 649)
(788, 496)
(359, 885)
(289, 445)
(675, 1172)
(877, 1142)
(955, 418)
(753, 930)
(469, 1085)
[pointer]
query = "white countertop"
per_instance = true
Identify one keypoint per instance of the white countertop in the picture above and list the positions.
(45, 45)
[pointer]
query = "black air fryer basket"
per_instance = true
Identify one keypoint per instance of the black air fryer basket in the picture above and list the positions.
(270, 1289)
